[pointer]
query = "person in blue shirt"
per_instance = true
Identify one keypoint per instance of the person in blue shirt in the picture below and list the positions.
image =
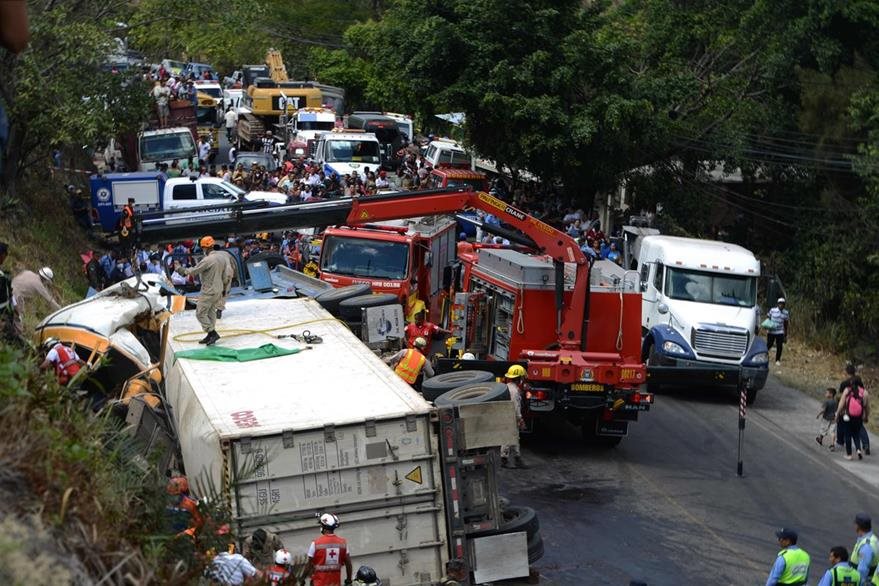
(840, 571)
(864, 553)
(791, 567)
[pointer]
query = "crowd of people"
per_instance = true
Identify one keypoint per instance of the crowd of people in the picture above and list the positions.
(843, 414)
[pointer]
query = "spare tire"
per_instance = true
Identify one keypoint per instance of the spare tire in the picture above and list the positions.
(331, 298)
(437, 385)
(514, 519)
(350, 308)
(535, 548)
(472, 394)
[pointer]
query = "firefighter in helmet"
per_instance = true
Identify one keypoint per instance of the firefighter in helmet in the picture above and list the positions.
(183, 509)
(514, 378)
(328, 553)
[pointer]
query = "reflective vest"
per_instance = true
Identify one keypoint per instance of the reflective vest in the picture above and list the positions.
(330, 552)
(410, 365)
(844, 575)
(67, 365)
(873, 542)
(277, 574)
(796, 566)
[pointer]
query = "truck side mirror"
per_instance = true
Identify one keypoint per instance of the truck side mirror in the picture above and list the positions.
(662, 308)
(643, 286)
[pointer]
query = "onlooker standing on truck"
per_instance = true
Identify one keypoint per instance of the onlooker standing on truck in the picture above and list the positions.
(827, 413)
(854, 407)
(777, 331)
(162, 96)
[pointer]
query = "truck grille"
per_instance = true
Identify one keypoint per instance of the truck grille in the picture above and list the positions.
(725, 344)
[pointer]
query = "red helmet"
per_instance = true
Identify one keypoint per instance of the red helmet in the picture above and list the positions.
(177, 485)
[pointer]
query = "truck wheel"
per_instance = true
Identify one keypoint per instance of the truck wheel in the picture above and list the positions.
(515, 519)
(472, 394)
(436, 386)
(535, 548)
(331, 298)
(350, 308)
(751, 396)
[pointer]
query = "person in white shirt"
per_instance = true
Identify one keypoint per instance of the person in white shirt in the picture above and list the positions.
(232, 569)
(777, 333)
(204, 149)
(231, 118)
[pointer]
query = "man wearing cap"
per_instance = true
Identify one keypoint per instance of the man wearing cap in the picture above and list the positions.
(214, 272)
(841, 571)
(791, 567)
(29, 285)
(777, 333)
(865, 553)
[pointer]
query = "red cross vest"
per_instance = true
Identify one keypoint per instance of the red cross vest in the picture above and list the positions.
(277, 575)
(67, 365)
(330, 552)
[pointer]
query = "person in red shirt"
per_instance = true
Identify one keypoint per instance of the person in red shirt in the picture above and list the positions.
(421, 328)
(327, 553)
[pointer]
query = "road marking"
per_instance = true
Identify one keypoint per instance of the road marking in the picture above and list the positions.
(693, 518)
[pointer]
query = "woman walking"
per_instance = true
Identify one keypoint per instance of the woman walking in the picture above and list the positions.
(854, 408)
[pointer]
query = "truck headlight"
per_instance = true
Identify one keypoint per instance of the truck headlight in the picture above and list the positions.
(760, 358)
(670, 347)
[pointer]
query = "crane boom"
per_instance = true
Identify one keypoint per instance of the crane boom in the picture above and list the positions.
(571, 322)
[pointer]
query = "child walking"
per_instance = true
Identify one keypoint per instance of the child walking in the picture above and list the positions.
(827, 414)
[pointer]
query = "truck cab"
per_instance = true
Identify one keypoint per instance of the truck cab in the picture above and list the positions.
(386, 131)
(450, 178)
(157, 147)
(700, 306)
(443, 153)
(343, 153)
(402, 257)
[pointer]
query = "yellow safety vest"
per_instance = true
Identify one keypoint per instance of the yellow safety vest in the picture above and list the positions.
(796, 566)
(843, 575)
(410, 365)
(873, 542)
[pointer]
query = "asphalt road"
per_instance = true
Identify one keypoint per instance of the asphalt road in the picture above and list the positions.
(666, 506)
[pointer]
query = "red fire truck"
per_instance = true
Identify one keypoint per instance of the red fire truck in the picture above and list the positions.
(577, 334)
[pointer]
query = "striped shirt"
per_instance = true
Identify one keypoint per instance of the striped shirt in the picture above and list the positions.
(779, 317)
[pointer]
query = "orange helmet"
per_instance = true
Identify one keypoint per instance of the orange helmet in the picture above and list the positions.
(177, 485)
(206, 242)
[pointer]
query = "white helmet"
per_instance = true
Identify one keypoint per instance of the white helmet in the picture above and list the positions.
(419, 342)
(468, 356)
(283, 557)
(329, 521)
(50, 342)
(47, 273)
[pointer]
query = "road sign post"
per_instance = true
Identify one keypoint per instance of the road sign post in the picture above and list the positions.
(743, 400)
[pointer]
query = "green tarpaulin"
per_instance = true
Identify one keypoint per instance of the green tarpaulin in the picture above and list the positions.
(222, 354)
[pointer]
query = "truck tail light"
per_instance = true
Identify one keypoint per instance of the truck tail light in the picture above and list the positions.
(638, 398)
(537, 395)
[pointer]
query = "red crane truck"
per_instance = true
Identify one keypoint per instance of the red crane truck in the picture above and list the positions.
(580, 344)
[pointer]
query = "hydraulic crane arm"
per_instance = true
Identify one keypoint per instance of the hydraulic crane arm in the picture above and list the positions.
(572, 321)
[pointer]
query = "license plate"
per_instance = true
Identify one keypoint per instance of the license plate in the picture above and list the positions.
(613, 428)
(588, 387)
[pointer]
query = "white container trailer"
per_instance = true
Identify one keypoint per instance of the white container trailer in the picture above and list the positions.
(330, 429)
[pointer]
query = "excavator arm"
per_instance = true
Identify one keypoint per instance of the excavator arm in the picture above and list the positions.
(571, 323)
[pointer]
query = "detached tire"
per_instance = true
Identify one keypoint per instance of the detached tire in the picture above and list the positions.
(535, 548)
(331, 298)
(473, 394)
(437, 385)
(515, 519)
(349, 309)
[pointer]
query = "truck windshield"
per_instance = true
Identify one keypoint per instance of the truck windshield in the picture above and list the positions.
(474, 184)
(315, 125)
(361, 257)
(205, 115)
(160, 147)
(703, 287)
(360, 151)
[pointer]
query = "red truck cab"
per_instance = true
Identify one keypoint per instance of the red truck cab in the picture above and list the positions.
(450, 178)
(403, 257)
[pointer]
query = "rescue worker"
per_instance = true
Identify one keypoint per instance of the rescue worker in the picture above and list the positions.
(261, 546)
(214, 272)
(327, 553)
(424, 329)
(126, 222)
(28, 285)
(231, 272)
(514, 379)
(865, 553)
(62, 358)
(183, 509)
(366, 576)
(280, 571)
(840, 571)
(410, 362)
(791, 566)
(7, 311)
(456, 573)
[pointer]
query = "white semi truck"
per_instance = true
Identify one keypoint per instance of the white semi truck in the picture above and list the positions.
(699, 306)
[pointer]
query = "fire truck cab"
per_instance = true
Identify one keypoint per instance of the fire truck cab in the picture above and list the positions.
(403, 257)
(505, 311)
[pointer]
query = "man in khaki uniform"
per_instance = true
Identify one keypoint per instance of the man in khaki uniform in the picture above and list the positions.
(232, 272)
(214, 272)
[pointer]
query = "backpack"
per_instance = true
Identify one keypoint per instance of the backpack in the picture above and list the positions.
(855, 408)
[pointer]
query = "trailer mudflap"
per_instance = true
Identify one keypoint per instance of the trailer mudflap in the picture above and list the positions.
(500, 557)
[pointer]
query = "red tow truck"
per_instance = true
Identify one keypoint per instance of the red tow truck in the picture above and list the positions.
(577, 334)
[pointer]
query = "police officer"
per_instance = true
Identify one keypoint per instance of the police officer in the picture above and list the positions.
(865, 553)
(791, 567)
(840, 571)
